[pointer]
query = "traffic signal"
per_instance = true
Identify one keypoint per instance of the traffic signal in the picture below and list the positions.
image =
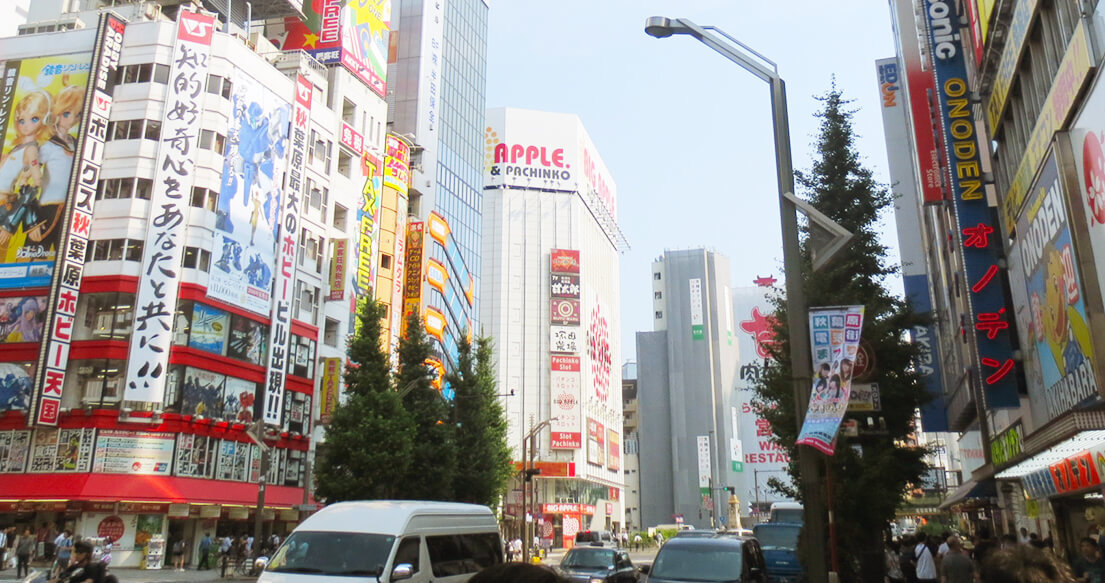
(731, 489)
(531, 472)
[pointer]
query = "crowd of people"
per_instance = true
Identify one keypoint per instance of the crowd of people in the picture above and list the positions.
(1027, 558)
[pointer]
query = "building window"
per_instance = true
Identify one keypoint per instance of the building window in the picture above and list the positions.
(330, 333)
(656, 276)
(659, 315)
(657, 295)
(385, 261)
(348, 112)
(306, 302)
(345, 164)
(116, 250)
(218, 86)
(204, 198)
(105, 316)
(301, 357)
(340, 214)
(197, 258)
(125, 188)
(211, 140)
(100, 380)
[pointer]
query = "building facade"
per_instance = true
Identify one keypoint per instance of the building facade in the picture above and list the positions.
(631, 416)
(551, 301)
(688, 433)
(200, 292)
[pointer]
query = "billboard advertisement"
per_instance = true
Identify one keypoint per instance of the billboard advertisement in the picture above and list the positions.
(368, 225)
(328, 390)
(549, 151)
(1050, 298)
(917, 77)
(76, 220)
(272, 140)
(134, 452)
(397, 164)
(22, 319)
(596, 442)
(599, 352)
(566, 424)
(412, 286)
(249, 197)
(351, 32)
(979, 238)
(834, 342)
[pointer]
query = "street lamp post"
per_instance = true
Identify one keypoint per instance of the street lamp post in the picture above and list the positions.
(528, 489)
(813, 531)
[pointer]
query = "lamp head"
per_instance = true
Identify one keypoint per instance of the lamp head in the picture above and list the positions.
(658, 26)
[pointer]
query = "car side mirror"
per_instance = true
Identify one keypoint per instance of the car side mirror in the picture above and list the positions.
(644, 569)
(402, 571)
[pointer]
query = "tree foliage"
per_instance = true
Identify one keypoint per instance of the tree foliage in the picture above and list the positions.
(370, 437)
(870, 474)
(482, 451)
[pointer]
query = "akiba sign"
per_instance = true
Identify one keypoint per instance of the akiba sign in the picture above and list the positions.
(979, 238)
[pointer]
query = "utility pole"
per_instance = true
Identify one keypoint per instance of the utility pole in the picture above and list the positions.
(256, 433)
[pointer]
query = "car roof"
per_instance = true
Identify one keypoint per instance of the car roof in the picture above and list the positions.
(388, 516)
(707, 541)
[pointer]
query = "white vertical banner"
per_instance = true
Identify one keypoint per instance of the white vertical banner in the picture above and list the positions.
(61, 310)
(567, 410)
(698, 330)
(280, 333)
(158, 283)
(704, 461)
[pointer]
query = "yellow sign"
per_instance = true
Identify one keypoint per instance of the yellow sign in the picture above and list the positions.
(1010, 56)
(1072, 74)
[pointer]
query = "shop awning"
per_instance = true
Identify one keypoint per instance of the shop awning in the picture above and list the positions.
(968, 491)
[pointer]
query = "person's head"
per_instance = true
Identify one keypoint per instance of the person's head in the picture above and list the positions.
(1024, 531)
(82, 552)
(1008, 540)
(834, 383)
(954, 544)
(1088, 546)
(1024, 564)
(1033, 536)
(846, 369)
(513, 572)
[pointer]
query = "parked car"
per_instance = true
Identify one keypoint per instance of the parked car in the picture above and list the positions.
(717, 559)
(779, 542)
(595, 564)
(596, 538)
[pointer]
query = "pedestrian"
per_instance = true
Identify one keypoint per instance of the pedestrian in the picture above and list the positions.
(24, 548)
(1023, 564)
(205, 549)
(105, 550)
(224, 554)
(637, 542)
(514, 550)
(83, 568)
(984, 545)
(925, 560)
(64, 545)
(1023, 538)
(178, 554)
(1089, 567)
(50, 546)
(249, 546)
(893, 563)
(9, 554)
(956, 567)
(3, 549)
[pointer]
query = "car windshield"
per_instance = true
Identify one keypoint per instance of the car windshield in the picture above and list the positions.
(778, 537)
(588, 559)
(350, 554)
(698, 563)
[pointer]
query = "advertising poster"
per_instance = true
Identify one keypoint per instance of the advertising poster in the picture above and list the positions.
(247, 340)
(241, 396)
(698, 328)
(397, 164)
(41, 102)
(613, 450)
(15, 449)
(233, 461)
(249, 197)
(22, 319)
(564, 339)
(565, 429)
(1052, 319)
(62, 450)
(564, 312)
(368, 220)
(134, 452)
(195, 455)
(16, 380)
(564, 261)
(202, 393)
(209, 329)
(564, 286)
(351, 32)
(328, 392)
(599, 352)
(596, 442)
(834, 342)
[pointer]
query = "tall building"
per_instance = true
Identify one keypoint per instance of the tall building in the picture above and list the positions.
(1014, 240)
(551, 302)
(631, 448)
(437, 82)
(172, 273)
(688, 434)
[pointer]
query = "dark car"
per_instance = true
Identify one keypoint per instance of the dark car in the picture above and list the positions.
(718, 559)
(587, 564)
(596, 538)
(779, 541)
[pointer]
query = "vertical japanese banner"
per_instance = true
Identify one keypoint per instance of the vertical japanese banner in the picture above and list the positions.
(978, 236)
(155, 304)
(704, 465)
(412, 287)
(61, 309)
(288, 222)
(698, 327)
(337, 270)
(834, 342)
(331, 381)
(565, 427)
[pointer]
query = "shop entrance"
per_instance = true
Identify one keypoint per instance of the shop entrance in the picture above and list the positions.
(181, 530)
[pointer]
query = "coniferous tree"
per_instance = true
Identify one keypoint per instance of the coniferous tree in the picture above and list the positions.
(483, 456)
(433, 461)
(370, 437)
(870, 474)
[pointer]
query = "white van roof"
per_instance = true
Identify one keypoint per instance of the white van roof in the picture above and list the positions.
(385, 516)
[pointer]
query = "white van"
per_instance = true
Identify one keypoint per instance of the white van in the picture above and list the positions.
(389, 541)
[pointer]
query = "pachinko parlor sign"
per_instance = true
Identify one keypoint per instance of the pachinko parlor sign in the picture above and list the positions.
(544, 164)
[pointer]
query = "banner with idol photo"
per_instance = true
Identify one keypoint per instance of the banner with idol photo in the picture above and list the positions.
(249, 197)
(834, 342)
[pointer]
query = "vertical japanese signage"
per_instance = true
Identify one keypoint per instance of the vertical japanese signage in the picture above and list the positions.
(918, 79)
(412, 286)
(331, 381)
(980, 241)
(698, 328)
(704, 465)
(155, 304)
(280, 333)
(1052, 316)
(834, 343)
(567, 410)
(368, 224)
(61, 310)
(397, 164)
(337, 270)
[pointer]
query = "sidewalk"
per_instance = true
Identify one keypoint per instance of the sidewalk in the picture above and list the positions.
(133, 575)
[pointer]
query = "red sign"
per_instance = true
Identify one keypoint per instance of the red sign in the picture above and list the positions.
(552, 469)
(112, 527)
(564, 261)
(609, 508)
(566, 508)
(351, 138)
(565, 363)
(565, 440)
(195, 27)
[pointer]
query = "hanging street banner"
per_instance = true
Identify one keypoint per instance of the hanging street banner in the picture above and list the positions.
(834, 342)
(148, 362)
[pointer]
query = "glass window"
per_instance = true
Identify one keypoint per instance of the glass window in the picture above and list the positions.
(191, 256)
(220, 141)
(214, 84)
(199, 196)
(302, 357)
(160, 73)
(349, 554)
(142, 188)
(133, 251)
(115, 249)
(458, 554)
(340, 214)
(144, 72)
(106, 316)
(153, 130)
(330, 332)
(100, 380)
(207, 139)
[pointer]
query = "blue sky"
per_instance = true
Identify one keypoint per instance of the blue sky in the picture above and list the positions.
(685, 133)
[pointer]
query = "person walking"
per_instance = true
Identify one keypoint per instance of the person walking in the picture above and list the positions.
(205, 550)
(24, 548)
(926, 562)
(3, 549)
(1088, 567)
(178, 554)
(956, 566)
(637, 542)
(893, 563)
(64, 547)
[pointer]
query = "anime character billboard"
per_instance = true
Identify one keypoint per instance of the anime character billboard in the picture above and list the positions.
(41, 106)
(249, 198)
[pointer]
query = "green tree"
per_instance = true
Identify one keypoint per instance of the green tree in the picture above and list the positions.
(481, 428)
(433, 460)
(871, 474)
(370, 437)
